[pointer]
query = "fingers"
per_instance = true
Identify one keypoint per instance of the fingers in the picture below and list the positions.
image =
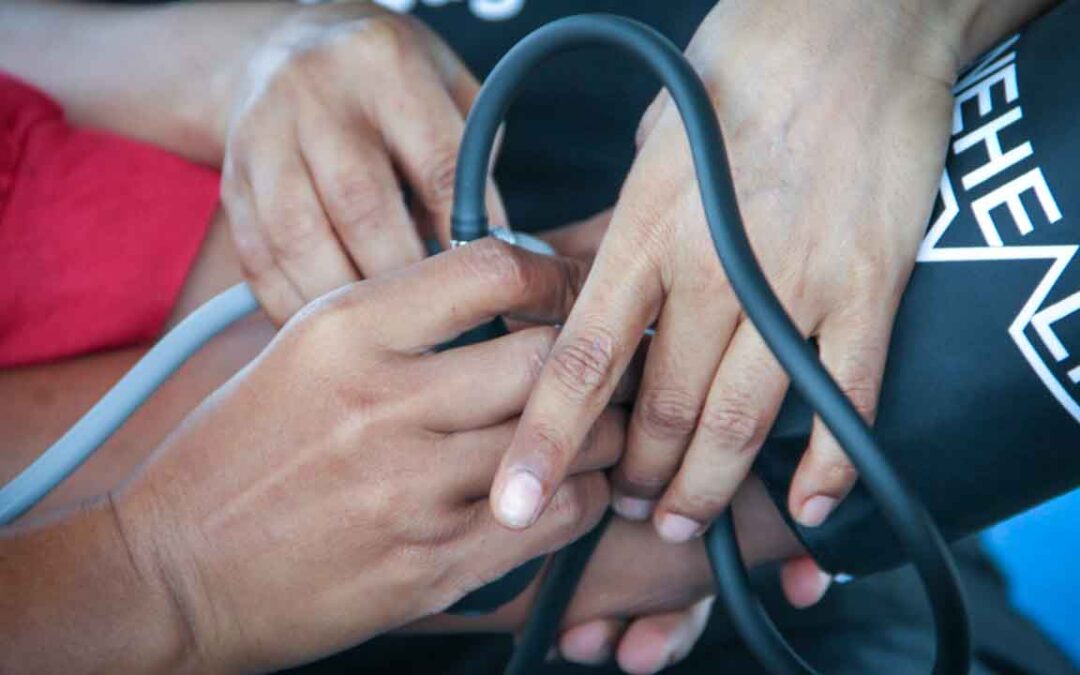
(463, 88)
(618, 302)
(742, 404)
(650, 644)
(655, 642)
(592, 643)
(444, 296)
(473, 456)
(803, 582)
(495, 377)
(300, 247)
(679, 368)
(358, 187)
(490, 550)
(854, 351)
(422, 128)
(278, 297)
(422, 125)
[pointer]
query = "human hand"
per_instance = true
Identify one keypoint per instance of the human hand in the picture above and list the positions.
(335, 488)
(334, 102)
(650, 641)
(836, 119)
(648, 614)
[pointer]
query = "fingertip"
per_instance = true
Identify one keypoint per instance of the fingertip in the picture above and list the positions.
(592, 643)
(646, 648)
(824, 476)
(803, 582)
(518, 499)
(676, 528)
(814, 510)
(632, 508)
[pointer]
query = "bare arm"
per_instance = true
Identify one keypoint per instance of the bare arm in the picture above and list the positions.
(160, 74)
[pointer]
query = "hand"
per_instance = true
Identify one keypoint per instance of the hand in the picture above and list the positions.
(648, 642)
(335, 102)
(650, 613)
(654, 640)
(335, 488)
(836, 119)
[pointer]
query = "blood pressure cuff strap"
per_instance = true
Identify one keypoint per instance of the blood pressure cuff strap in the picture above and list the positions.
(980, 404)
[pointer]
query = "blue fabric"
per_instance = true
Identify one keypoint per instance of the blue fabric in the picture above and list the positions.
(1039, 552)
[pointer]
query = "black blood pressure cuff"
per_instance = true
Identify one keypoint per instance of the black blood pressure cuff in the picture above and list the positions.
(980, 406)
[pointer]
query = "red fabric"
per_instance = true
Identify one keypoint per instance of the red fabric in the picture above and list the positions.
(97, 232)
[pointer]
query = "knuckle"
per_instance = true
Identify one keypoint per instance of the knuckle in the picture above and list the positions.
(578, 504)
(858, 377)
(323, 325)
(254, 263)
(386, 39)
(698, 499)
(862, 392)
(359, 201)
(667, 412)
(308, 57)
(550, 447)
(732, 425)
(437, 176)
(498, 263)
(583, 363)
(294, 235)
(837, 473)
(568, 507)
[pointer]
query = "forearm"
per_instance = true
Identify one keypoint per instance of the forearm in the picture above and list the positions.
(41, 402)
(77, 599)
(161, 74)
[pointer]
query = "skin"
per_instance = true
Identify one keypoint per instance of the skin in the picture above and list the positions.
(836, 117)
(257, 69)
(203, 549)
(828, 206)
(217, 538)
(643, 622)
(313, 113)
(248, 95)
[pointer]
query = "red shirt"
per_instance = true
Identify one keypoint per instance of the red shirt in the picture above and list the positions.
(97, 232)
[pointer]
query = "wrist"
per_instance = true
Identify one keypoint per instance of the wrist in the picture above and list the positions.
(986, 22)
(970, 27)
(178, 564)
(171, 630)
(83, 599)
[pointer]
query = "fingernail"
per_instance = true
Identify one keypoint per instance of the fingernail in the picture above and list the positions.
(519, 501)
(589, 645)
(677, 529)
(632, 508)
(815, 510)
